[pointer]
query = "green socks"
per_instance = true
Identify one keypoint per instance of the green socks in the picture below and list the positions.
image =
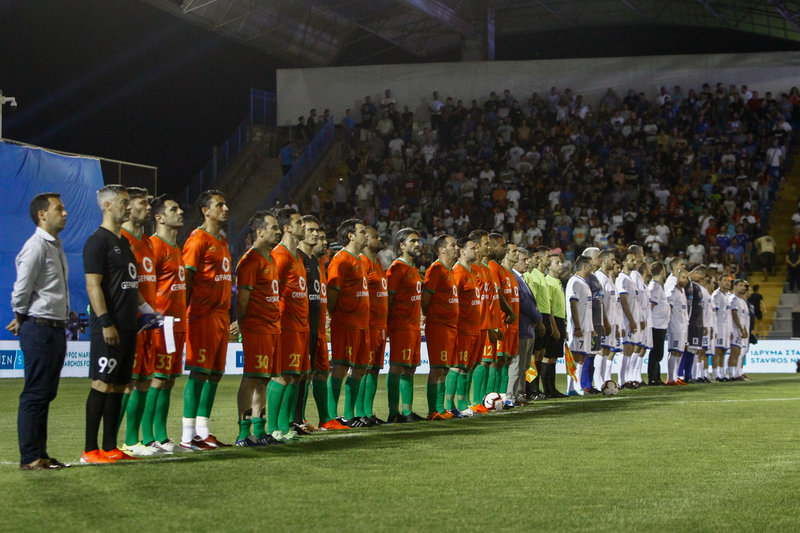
(478, 384)
(407, 393)
(320, 390)
(162, 411)
(287, 407)
(191, 397)
(351, 387)
(259, 427)
(491, 386)
(433, 391)
(461, 391)
(334, 390)
(123, 406)
(450, 385)
(148, 416)
(393, 391)
(370, 386)
(209, 392)
(274, 398)
(133, 414)
(359, 405)
(440, 388)
(504, 379)
(244, 428)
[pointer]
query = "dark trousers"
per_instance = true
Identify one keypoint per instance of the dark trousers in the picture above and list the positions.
(44, 349)
(656, 354)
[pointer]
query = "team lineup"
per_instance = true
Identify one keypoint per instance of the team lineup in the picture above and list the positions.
(496, 319)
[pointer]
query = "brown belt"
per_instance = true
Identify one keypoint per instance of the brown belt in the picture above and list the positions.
(61, 324)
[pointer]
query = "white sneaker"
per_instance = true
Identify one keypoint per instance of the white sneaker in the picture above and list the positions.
(291, 435)
(140, 450)
(277, 435)
(468, 412)
(167, 447)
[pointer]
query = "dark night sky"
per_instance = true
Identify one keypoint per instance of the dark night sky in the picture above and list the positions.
(123, 80)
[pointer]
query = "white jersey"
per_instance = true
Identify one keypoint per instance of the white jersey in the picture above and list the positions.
(625, 285)
(670, 283)
(661, 306)
(610, 306)
(579, 291)
(709, 319)
(678, 327)
(740, 306)
(647, 335)
(722, 308)
(642, 299)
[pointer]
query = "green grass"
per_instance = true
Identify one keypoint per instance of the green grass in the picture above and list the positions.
(716, 457)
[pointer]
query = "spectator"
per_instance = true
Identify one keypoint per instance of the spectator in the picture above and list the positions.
(793, 267)
(287, 157)
(765, 245)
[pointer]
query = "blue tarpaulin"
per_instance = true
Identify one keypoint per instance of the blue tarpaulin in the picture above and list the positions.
(26, 172)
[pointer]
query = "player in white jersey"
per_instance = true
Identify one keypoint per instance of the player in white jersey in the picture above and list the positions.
(659, 321)
(748, 323)
(644, 339)
(740, 317)
(579, 320)
(628, 295)
(607, 342)
(722, 331)
(709, 321)
(678, 327)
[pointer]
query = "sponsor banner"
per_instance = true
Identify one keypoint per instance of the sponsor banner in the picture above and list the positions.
(766, 357)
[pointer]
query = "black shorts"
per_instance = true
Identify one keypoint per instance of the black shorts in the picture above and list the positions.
(695, 336)
(112, 364)
(540, 342)
(555, 348)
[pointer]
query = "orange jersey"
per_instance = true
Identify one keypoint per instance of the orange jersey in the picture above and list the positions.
(405, 286)
(484, 277)
(510, 288)
(495, 318)
(210, 260)
(322, 332)
(443, 308)
(346, 274)
(145, 266)
(291, 275)
(257, 273)
(378, 293)
(469, 299)
(170, 281)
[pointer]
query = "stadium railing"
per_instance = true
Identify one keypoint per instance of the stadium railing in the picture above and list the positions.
(295, 179)
(262, 113)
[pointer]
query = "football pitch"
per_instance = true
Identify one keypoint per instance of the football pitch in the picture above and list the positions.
(719, 457)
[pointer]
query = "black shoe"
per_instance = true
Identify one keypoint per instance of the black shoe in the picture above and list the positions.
(268, 440)
(354, 422)
(367, 421)
(557, 394)
(541, 396)
(397, 419)
(377, 421)
(299, 429)
(414, 417)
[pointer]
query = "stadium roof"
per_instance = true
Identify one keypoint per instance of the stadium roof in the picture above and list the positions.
(351, 32)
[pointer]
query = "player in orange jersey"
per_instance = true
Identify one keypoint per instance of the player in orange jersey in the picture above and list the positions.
(378, 309)
(405, 300)
(348, 305)
(135, 398)
(208, 295)
(283, 390)
(171, 303)
(440, 305)
(508, 348)
(501, 311)
(478, 377)
(259, 316)
(469, 343)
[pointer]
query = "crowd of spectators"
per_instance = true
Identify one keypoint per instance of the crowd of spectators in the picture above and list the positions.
(682, 173)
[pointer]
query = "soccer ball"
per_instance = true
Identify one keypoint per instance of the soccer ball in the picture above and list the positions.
(493, 401)
(610, 388)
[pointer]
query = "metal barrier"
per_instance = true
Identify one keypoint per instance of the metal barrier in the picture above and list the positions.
(262, 112)
(297, 176)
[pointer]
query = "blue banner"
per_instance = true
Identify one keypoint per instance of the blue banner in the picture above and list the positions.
(26, 172)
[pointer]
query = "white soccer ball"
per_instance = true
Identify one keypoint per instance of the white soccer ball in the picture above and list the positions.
(504, 397)
(493, 401)
(610, 388)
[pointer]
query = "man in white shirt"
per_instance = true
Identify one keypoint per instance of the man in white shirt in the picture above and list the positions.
(660, 321)
(678, 327)
(627, 291)
(722, 331)
(579, 320)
